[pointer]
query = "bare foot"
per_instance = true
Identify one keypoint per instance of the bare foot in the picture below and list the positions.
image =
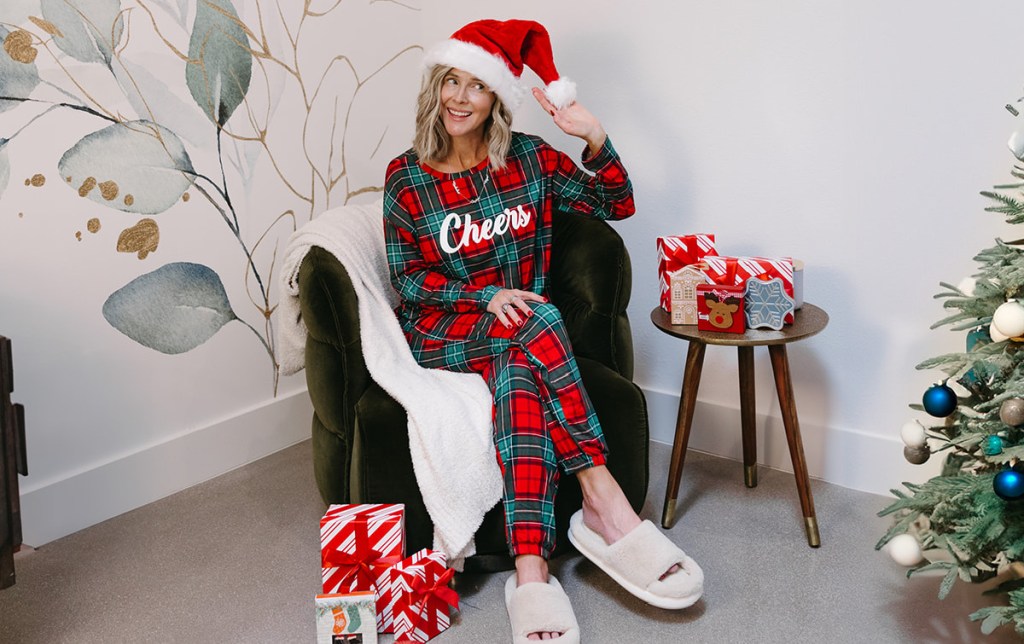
(606, 509)
(531, 568)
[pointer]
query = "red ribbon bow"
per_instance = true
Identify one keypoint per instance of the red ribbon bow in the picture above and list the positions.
(422, 592)
(361, 562)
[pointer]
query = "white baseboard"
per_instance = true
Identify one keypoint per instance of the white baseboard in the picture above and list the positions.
(849, 458)
(58, 508)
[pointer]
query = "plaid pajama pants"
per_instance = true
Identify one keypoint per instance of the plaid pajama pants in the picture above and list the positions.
(543, 419)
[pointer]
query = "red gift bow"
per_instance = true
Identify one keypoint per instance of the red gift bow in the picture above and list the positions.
(423, 593)
(360, 563)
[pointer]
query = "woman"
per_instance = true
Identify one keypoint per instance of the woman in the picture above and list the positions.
(468, 232)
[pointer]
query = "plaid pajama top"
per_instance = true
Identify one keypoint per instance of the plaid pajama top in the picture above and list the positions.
(454, 239)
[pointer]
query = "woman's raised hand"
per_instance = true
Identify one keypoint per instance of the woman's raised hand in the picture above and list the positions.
(574, 120)
(510, 305)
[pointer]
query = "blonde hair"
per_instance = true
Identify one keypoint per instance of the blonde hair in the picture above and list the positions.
(431, 141)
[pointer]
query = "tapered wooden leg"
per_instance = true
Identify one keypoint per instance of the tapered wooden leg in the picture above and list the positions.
(784, 386)
(748, 417)
(687, 400)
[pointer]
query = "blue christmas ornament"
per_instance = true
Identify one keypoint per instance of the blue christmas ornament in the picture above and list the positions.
(993, 446)
(939, 400)
(1009, 485)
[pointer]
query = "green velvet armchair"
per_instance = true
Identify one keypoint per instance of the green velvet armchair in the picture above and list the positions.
(360, 439)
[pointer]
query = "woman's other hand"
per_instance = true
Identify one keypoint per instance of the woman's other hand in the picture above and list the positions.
(574, 120)
(510, 306)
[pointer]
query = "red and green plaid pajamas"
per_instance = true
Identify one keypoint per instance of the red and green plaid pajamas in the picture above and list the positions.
(454, 240)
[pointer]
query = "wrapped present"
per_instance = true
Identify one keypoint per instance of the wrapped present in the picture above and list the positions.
(422, 596)
(676, 252)
(683, 286)
(737, 270)
(765, 304)
(720, 308)
(358, 543)
(346, 618)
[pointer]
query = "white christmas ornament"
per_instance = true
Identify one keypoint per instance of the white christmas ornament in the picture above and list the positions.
(995, 334)
(905, 550)
(1016, 144)
(966, 286)
(1009, 319)
(913, 434)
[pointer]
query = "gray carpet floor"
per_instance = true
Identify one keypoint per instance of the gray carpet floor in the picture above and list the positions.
(236, 559)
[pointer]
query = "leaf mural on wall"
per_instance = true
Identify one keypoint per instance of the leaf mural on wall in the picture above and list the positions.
(89, 29)
(137, 166)
(172, 310)
(220, 62)
(17, 78)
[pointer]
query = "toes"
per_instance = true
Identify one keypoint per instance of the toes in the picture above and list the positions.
(673, 569)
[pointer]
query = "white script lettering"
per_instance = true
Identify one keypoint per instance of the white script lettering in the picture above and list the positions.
(473, 233)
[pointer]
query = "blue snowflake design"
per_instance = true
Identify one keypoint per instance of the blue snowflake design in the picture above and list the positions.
(766, 304)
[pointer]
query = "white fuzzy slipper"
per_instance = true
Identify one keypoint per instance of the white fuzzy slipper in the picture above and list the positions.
(638, 559)
(540, 608)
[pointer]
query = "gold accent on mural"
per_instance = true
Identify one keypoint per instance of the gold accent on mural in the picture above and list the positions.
(129, 200)
(37, 180)
(93, 225)
(78, 235)
(18, 45)
(109, 190)
(69, 179)
(142, 238)
(186, 197)
(87, 186)
(47, 26)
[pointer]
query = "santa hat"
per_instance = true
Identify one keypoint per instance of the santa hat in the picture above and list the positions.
(495, 51)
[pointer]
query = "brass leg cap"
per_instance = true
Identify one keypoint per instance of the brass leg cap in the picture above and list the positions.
(750, 475)
(669, 515)
(813, 538)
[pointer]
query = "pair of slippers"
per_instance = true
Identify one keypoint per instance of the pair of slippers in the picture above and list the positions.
(636, 562)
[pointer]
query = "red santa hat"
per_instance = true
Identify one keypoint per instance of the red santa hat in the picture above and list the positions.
(495, 51)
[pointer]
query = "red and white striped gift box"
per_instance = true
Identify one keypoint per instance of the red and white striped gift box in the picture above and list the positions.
(420, 586)
(737, 270)
(358, 543)
(676, 252)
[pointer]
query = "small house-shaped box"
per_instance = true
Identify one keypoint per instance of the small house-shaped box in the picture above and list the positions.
(683, 285)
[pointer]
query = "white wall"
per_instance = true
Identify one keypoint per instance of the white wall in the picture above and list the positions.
(854, 136)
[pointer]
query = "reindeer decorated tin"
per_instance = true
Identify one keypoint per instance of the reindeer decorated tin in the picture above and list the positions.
(720, 308)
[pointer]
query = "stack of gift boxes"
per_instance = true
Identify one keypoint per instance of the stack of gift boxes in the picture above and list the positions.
(725, 294)
(371, 587)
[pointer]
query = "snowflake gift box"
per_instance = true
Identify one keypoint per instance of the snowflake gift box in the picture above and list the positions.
(720, 308)
(358, 544)
(766, 305)
(423, 598)
(737, 270)
(676, 252)
(346, 618)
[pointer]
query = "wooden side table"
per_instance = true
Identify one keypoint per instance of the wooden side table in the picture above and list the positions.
(808, 321)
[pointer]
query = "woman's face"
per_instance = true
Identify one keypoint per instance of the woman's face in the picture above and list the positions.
(466, 103)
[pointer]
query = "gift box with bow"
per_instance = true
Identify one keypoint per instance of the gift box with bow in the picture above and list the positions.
(358, 544)
(676, 252)
(737, 270)
(422, 596)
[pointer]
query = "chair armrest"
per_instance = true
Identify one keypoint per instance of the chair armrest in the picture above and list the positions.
(336, 374)
(590, 283)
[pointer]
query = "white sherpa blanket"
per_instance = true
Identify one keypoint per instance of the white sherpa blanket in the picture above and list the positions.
(449, 413)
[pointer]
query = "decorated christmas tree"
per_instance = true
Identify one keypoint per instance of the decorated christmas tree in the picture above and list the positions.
(969, 521)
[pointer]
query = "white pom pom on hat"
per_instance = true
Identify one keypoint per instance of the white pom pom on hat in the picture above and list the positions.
(496, 51)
